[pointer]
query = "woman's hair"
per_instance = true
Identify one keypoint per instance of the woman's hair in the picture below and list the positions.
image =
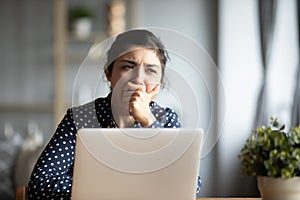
(137, 38)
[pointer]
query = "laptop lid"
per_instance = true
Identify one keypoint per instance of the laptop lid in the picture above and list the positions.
(135, 164)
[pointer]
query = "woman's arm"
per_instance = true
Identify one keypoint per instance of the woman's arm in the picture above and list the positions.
(52, 174)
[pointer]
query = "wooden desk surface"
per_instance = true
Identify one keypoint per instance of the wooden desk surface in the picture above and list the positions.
(229, 198)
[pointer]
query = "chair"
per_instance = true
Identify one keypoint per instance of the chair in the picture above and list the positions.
(21, 193)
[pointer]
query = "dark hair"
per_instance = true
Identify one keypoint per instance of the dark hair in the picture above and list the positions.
(136, 38)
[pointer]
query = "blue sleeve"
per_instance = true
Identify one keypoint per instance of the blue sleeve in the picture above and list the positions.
(169, 119)
(52, 175)
(199, 184)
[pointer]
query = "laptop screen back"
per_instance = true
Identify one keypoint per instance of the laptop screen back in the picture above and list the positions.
(136, 164)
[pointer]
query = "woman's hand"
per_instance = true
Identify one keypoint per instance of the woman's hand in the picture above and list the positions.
(139, 105)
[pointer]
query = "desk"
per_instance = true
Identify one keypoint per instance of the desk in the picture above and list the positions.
(229, 198)
(21, 194)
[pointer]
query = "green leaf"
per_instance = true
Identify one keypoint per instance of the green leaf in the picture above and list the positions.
(269, 151)
(282, 128)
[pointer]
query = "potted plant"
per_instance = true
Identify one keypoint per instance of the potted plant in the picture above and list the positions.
(80, 19)
(273, 155)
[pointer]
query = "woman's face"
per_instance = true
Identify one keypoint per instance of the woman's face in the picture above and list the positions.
(139, 68)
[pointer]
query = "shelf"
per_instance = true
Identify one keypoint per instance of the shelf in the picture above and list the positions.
(28, 107)
(78, 48)
(94, 37)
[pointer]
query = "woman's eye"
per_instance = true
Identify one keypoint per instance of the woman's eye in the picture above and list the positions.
(151, 70)
(127, 67)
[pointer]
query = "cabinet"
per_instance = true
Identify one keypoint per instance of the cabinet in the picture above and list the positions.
(70, 50)
(26, 78)
(38, 54)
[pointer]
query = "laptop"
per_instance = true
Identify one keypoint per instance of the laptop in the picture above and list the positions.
(136, 164)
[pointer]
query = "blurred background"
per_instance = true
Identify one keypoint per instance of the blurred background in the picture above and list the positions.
(253, 43)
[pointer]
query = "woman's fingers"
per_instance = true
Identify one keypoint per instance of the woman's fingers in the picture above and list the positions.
(154, 91)
(139, 105)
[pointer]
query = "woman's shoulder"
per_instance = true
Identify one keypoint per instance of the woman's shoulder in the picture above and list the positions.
(98, 102)
(87, 115)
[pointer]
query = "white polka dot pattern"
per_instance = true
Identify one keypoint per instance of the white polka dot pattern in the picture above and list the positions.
(52, 174)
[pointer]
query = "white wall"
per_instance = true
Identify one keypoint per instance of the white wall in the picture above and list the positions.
(195, 18)
(239, 62)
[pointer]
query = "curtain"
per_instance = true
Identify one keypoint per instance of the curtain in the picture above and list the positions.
(267, 14)
(296, 105)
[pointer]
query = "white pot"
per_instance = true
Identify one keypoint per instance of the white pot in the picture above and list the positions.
(279, 188)
(82, 28)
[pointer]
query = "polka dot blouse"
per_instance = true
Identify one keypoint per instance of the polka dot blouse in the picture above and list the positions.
(52, 175)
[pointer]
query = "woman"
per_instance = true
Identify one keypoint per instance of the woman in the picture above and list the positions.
(135, 69)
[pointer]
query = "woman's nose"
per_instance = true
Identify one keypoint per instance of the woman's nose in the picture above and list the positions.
(139, 76)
